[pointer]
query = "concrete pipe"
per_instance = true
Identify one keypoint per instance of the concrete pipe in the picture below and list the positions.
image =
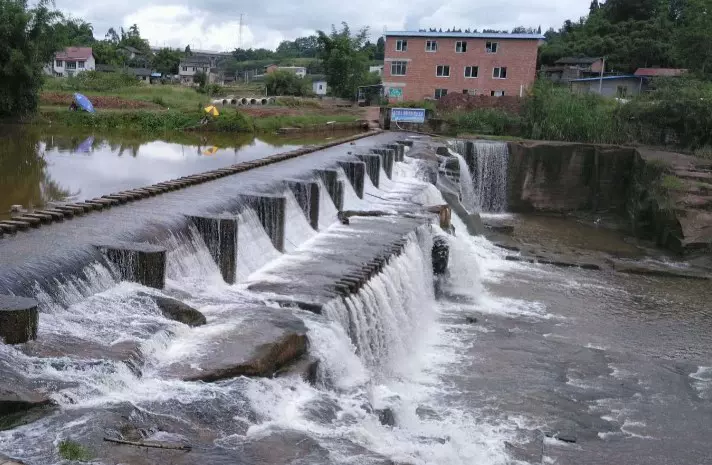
(233, 101)
(253, 101)
(264, 101)
(224, 102)
(244, 101)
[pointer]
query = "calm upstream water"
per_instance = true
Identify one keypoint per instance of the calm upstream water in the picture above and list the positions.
(40, 166)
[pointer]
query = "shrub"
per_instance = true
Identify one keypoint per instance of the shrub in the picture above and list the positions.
(554, 113)
(286, 83)
(233, 121)
(487, 121)
(96, 81)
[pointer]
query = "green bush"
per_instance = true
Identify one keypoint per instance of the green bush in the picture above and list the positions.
(232, 121)
(144, 121)
(70, 450)
(287, 83)
(96, 81)
(487, 121)
(293, 102)
(553, 112)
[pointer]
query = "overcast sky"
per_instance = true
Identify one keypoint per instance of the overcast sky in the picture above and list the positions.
(214, 24)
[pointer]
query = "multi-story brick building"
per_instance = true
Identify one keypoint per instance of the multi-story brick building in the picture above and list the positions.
(420, 65)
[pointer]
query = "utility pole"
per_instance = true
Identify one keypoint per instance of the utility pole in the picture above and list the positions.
(600, 81)
(239, 37)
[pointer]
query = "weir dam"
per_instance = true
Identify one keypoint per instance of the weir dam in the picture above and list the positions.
(372, 301)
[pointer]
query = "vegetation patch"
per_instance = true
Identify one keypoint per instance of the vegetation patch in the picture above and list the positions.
(70, 450)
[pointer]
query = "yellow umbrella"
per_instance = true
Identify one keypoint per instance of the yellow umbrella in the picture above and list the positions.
(211, 151)
(212, 110)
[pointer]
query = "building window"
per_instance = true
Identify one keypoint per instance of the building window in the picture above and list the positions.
(499, 73)
(442, 71)
(58, 63)
(471, 71)
(71, 65)
(398, 68)
(440, 93)
(401, 45)
(469, 91)
(431, 45)
(185, 68)
(497, 93)
(491, 47)
(461, 47)
(320, 87)
(80, 64)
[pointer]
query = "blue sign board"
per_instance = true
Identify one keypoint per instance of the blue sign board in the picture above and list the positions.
(408, 115)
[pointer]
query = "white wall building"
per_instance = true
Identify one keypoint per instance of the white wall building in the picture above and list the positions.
(376, 69)
(319, 87)
(73, 60)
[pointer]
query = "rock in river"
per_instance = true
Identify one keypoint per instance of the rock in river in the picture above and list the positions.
(176, 310)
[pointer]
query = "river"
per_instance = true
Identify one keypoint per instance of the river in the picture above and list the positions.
(512, 363)
(49, 164)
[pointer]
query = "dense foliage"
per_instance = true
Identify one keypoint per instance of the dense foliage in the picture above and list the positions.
(287, 83)
(26, 45)
(345, 60)
(638, 33)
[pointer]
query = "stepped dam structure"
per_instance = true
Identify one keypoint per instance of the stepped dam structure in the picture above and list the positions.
(388, 298)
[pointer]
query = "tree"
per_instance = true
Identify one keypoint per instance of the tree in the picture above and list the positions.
(166, 61)
(106, 53)
(201, 79)
(73, 32)
(27, 44)
(286, 83)
(112, 36)
(345, 63)
(694, 39)
(380, 49)
(594, 7)
(187, 51)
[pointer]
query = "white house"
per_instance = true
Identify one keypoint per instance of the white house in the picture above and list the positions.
(73, 60)
(191, 65)
(319, 87)
(376, 69)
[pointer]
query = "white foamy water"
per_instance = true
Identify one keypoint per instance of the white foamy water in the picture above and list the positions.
(327, 210)
(384, 347)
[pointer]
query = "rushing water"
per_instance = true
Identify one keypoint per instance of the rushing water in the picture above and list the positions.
(507, 352)
(484, 187)
(37, 167)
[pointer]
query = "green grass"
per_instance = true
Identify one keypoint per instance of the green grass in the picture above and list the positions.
(671, 182)
(70, 450)
(273, 123)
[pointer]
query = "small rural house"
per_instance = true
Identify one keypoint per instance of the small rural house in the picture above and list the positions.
(73, 60)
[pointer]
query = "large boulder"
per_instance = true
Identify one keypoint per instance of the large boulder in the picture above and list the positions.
(176, 310)
(266, 340)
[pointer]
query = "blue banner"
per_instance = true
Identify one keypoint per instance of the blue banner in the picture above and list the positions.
(408, 115)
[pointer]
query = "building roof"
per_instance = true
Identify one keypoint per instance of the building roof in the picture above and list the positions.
(660, 72)
(131, 49)
(576, 61)
(74, 53)
(140, 71)
(465, 35)
(606, 78)
(195, 60)
(292, 67)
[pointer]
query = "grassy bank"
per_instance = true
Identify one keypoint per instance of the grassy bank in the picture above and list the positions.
(159, 121)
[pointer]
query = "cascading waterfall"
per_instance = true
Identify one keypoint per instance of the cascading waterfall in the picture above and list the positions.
(490, 176)
(327, 210)
(254, 246)
(298, 229)
(385, 315)
(470, 199)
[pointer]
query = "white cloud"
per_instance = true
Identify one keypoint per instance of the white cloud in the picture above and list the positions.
(214, 24)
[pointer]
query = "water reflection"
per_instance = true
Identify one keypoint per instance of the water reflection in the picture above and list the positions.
(42, 165)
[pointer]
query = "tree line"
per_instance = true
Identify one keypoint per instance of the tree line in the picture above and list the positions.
(635, 34)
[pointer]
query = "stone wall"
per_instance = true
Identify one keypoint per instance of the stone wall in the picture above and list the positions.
(565, 177)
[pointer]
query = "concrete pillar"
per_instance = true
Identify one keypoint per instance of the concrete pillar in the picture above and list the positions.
(307, 195)
(470, 156)
(398, 149)
(388, 159)
(220, 235)
(272, 212)
(138, 262)
(334, 187)
(18, 319)
(355, 173)
(373, 166)
(440, 255)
